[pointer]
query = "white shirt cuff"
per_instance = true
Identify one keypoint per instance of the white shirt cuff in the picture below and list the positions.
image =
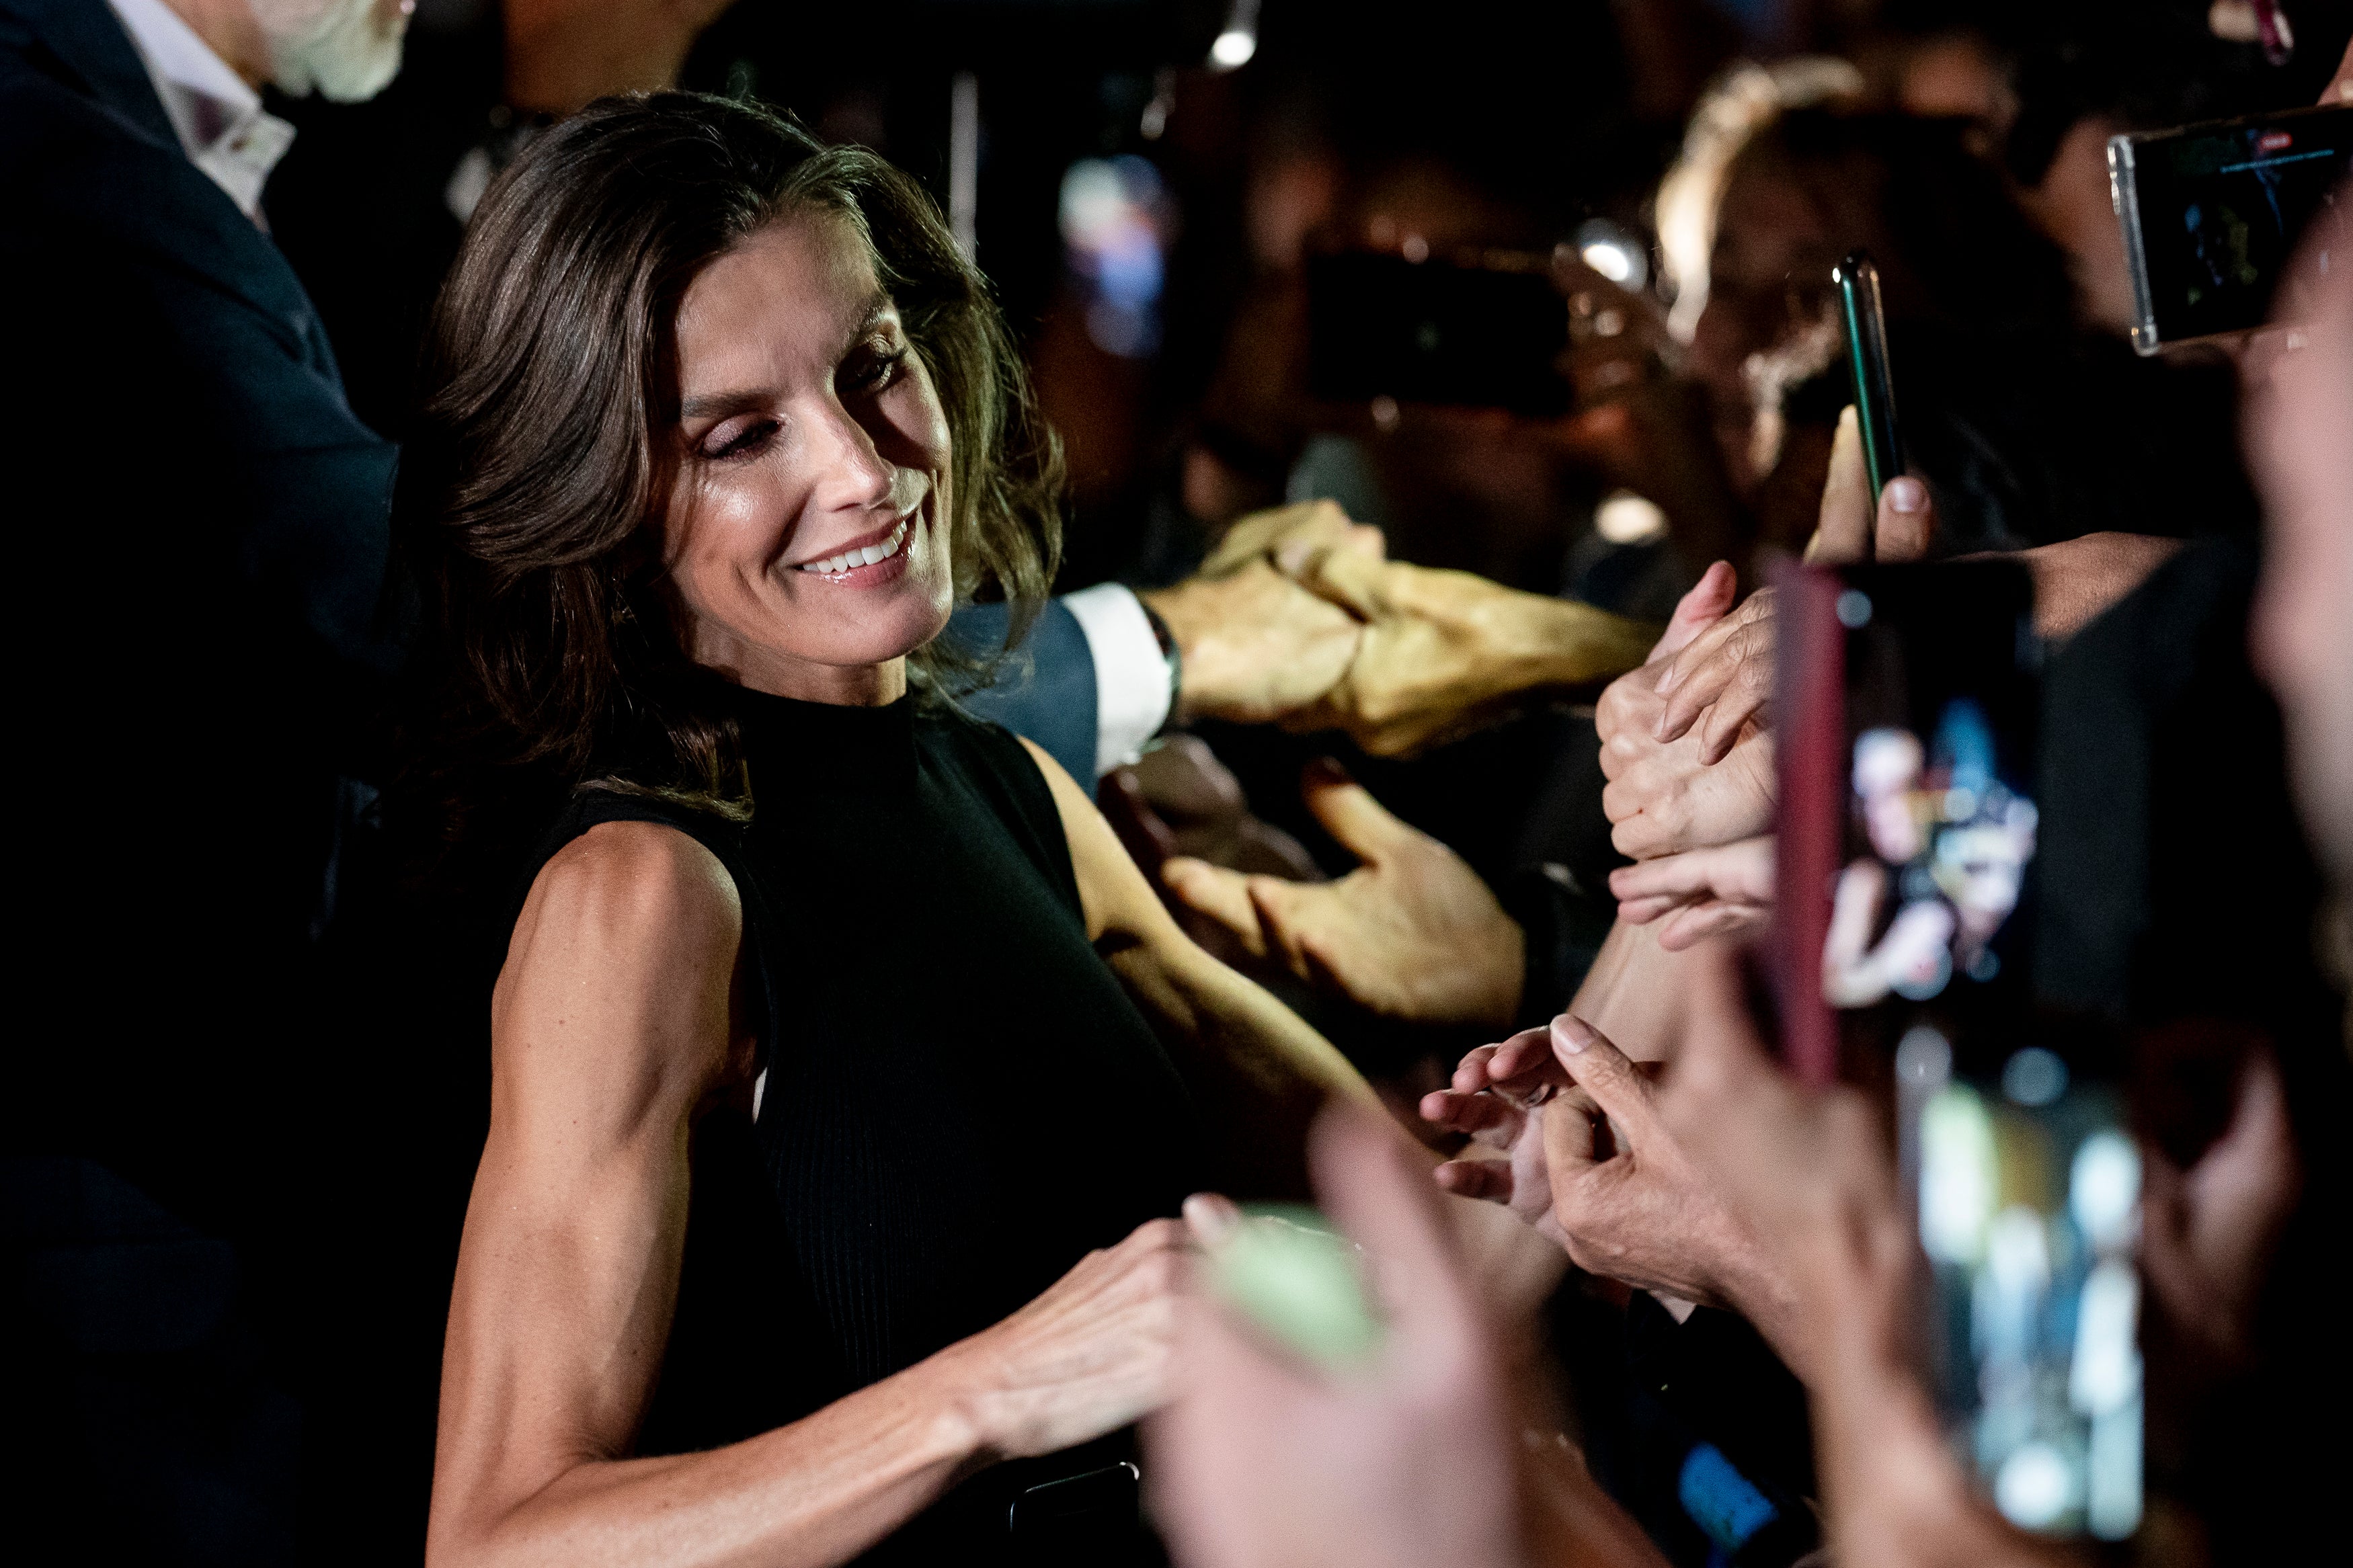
(1132, 693)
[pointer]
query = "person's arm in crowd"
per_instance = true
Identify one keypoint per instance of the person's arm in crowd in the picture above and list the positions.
(617, 1020)
(1260, 1070)
(1810, 1180)
(1424, 1456)
(1412, 933)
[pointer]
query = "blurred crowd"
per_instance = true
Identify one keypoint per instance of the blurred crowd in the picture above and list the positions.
(1448, 732)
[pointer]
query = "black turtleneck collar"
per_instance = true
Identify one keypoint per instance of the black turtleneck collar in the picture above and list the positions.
(797, 748)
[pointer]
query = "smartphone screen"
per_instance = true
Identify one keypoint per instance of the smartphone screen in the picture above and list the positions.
(2013, 1138)
(2212, 214)
(1381, 326)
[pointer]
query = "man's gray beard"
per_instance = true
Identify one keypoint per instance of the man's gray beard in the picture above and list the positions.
(337, 48)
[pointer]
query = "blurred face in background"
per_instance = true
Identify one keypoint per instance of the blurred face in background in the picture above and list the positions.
(1769, 323)
(346, 50)
(2300, 439)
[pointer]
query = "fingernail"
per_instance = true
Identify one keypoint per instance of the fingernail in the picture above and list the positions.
(1211, 1216)
(1324, 772)
(1572, 1033)
(1906, 494)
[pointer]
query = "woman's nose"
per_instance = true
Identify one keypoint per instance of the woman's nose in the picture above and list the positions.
(856, 474)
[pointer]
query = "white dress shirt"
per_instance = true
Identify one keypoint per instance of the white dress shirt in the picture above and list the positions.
(222, 126)
(1132, 694)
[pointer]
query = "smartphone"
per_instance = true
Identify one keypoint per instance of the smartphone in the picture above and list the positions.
(1915, 807)
(2212, 214)
(1433, 332)
(1857, 282)
(1085, 1521)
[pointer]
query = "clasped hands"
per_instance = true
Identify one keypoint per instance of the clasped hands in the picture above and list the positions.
(1299, 618)
(1686, 741)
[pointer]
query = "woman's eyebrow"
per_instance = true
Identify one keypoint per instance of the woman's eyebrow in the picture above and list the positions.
(720, 404)
(879, 306)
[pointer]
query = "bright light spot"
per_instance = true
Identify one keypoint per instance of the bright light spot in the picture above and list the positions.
(1956, 1176)
(1625, 518)
(1614, 253)
(2105, 1372)
(2034, 1487)
(1610, 261)
(2033, 1075)
(1234, 48)
(1924, 1058)
(2103, 1187)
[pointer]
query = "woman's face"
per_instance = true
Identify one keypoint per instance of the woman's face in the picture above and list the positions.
(807, 532)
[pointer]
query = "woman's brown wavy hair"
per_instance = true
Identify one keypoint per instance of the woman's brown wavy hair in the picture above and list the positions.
(545, 449)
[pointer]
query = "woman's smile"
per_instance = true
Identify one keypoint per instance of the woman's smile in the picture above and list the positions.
(877, 559)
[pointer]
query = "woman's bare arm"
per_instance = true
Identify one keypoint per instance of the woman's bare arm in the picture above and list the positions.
(613, 1024)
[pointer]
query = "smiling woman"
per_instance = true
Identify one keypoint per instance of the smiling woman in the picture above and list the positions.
(845, 1072)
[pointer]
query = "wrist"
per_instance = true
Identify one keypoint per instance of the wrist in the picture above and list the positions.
(1558, 645)
(957, 1391)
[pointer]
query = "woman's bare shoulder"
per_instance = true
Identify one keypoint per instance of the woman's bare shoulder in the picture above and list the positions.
(631, 921)
(632, 875)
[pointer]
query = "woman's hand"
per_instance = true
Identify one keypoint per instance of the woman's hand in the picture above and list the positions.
(1090, 1355)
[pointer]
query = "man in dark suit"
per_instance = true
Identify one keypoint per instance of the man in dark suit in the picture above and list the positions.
(198, 552)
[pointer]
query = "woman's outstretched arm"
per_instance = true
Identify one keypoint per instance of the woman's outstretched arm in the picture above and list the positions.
(615, 1022)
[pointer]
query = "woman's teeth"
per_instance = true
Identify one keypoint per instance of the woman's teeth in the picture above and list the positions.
(866, 557)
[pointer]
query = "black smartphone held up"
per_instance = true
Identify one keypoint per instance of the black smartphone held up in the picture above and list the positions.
(2212, 214)
(1431, 331)
(1915, 804)
(1857, 281)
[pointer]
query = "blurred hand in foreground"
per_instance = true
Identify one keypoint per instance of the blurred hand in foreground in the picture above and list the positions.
(1812, 1180)
(1411, 935)
(1721, 891)
(1257, 648)
(1263, 1462)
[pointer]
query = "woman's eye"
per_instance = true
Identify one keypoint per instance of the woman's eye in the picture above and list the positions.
(879, 371)
(738, 439)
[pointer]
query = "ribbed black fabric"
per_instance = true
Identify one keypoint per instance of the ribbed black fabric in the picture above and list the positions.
(960, 1100)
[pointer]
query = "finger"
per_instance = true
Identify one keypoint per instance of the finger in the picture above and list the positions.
(1281, 915)
(1527, 1052)
(1470, 1072)
(1743, 699)
(1471, 1113)
(1365, 1182)
(1601, 1069)
(1642, 912)
(1211, 1218)
(1222, 895)
(1709, 598)
(1668, 876)
(1842, 532)
(1351, 579)
(1689, 927)
(1489, 1181)
(1704, 651)
(1907, 520)
(1350, 813)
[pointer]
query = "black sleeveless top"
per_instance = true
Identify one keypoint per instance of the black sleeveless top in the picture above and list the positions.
(958, 1100)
